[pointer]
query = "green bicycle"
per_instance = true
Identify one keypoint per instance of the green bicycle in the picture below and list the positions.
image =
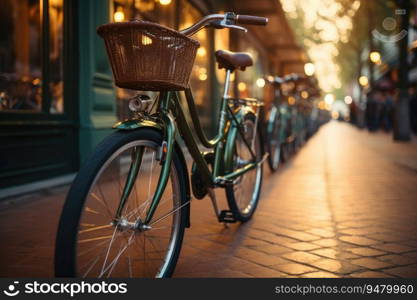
(127, 210)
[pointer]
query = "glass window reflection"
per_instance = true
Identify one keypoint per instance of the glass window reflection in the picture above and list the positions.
(21, 51)
(56, 69)
(199, 80)
(20, 55)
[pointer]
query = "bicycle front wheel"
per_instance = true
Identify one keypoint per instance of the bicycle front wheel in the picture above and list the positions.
(93, 242)
(243, 195)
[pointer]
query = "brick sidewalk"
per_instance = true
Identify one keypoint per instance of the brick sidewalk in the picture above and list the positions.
(345, 206)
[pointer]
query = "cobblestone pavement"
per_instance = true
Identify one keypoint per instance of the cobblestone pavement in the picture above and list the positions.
(344, 206)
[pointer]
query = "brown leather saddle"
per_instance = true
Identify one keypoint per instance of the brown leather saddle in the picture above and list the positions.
(233, 60)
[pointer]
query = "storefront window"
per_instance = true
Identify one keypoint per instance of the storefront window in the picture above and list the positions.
(159, 11)
(199, 80)
(21, 50)
(56, 66)
(221, 42)
(20, 55)
(249, 83)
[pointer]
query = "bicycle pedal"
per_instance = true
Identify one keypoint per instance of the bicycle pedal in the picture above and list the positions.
(226, 216)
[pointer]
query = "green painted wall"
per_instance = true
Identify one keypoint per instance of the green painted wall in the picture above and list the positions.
(97, 107)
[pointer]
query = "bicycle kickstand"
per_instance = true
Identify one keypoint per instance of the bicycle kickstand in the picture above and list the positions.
(224, 216)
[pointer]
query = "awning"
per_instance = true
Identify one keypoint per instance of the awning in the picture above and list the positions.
(277, 37)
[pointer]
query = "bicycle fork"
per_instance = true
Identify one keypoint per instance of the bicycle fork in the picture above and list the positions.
(165, 156)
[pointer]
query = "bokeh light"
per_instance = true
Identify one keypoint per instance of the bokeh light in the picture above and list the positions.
(348, 100)
(309, 69)
(324, 18)
(260, 82)
(329, 99)
(363, 80)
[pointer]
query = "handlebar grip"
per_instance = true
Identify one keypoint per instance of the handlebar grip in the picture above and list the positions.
(251, 20)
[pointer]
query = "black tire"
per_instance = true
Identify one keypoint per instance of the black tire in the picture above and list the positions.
(66, 241)
(232, 198)
(285, 152)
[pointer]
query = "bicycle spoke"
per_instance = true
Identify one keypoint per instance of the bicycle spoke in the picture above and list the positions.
(91, 267)
(168, 214)
(94, 239)
(95, 228)
(92, 248)
(114, 262)
(108, 249)
(102, 203)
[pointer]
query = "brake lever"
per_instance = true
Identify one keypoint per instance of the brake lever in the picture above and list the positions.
(227, 22)
(236, 27)
(224, 24)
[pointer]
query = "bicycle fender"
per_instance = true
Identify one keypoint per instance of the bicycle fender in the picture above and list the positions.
(131, 124)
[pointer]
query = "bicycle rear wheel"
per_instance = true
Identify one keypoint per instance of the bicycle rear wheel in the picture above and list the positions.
(92, 242)
(243, 196)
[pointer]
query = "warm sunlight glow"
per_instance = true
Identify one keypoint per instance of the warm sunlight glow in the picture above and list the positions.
(323, 17)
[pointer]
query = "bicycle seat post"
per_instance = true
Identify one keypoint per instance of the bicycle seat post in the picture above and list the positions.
(227, 84)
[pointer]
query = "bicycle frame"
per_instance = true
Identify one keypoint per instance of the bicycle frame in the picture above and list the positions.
(168, 118)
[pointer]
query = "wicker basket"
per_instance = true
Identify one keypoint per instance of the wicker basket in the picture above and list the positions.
(147, 56)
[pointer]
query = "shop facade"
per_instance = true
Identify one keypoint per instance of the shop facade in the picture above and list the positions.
(57, 97)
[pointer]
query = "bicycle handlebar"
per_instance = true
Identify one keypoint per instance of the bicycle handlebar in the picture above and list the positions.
(227, 20)
(200, 24)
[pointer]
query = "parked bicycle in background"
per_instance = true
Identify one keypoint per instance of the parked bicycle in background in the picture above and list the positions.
(291, 117)
(277, 119)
